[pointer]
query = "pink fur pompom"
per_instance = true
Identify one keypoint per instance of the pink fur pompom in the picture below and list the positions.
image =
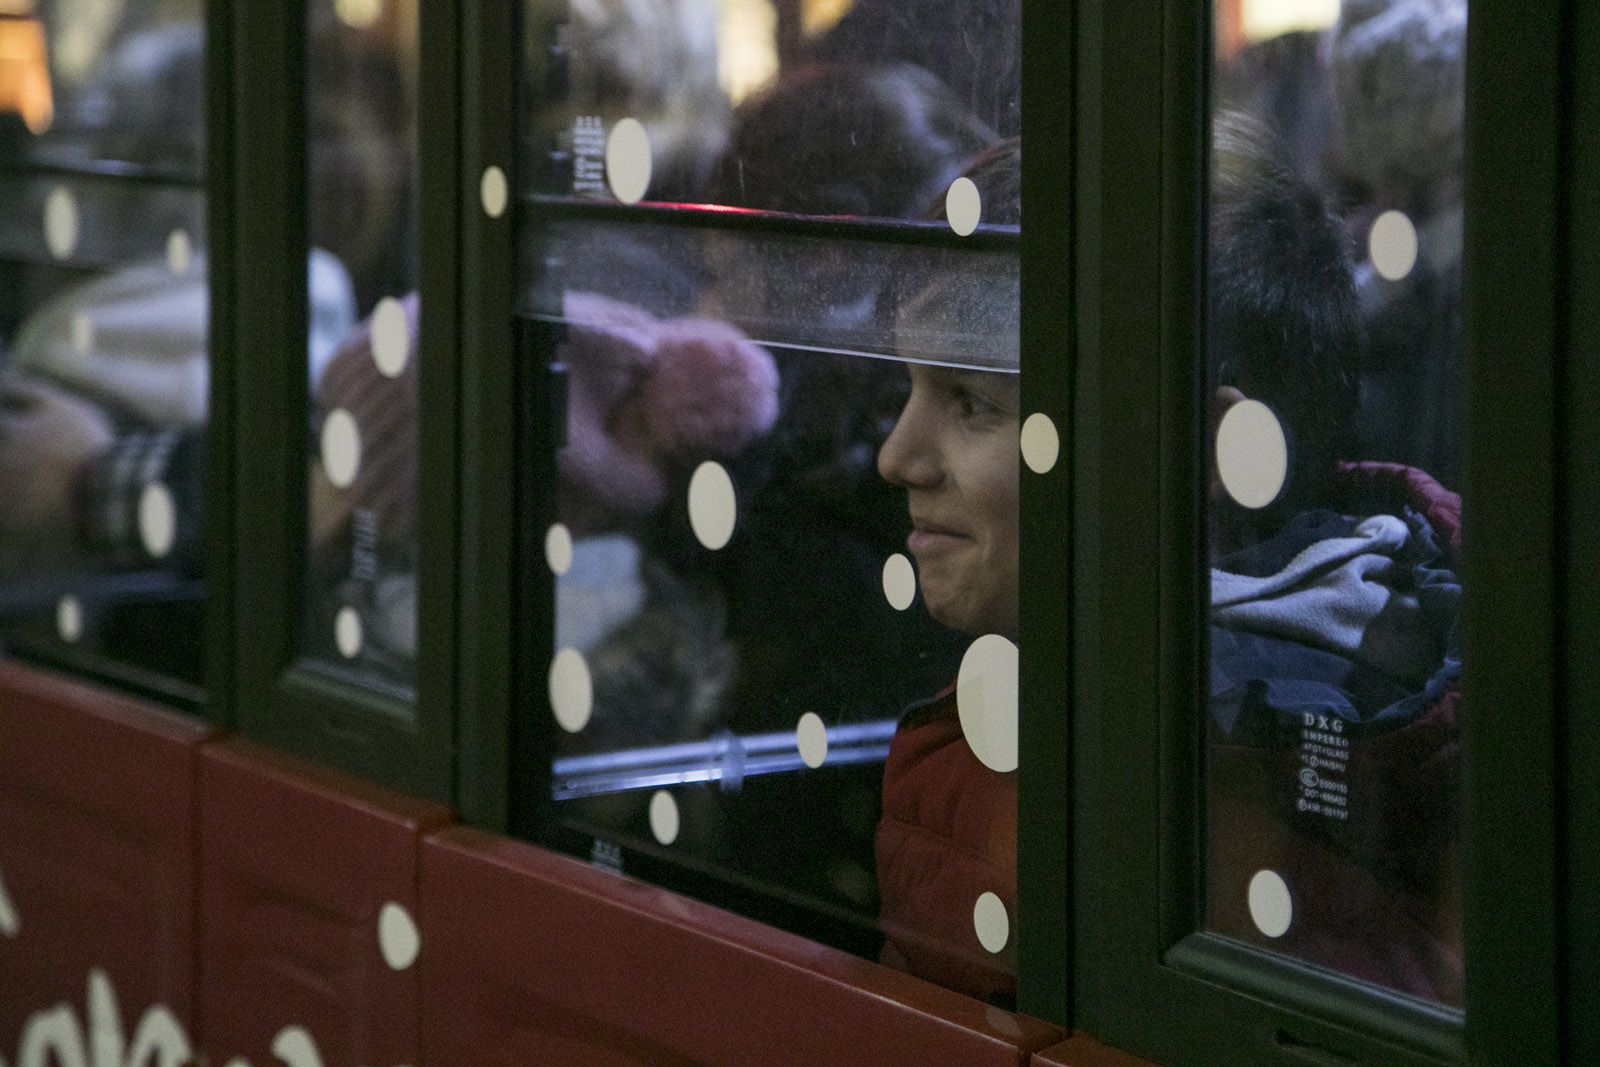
(713, 391)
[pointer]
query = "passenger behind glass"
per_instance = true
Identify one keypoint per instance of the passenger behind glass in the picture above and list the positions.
(948, 830)
(1281, 319)
(1398, 68)
(1334, 605)
(830, 140)
(614, 59)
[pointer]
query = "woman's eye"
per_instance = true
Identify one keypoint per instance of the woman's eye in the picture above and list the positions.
(971, 405)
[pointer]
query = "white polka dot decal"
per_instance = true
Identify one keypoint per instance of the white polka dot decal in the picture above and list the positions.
(664, 818)
(82, 333)
(628, 161)
(398, 937)
(811, 736)
(294, 1047)
(494, 191)
(1271, 908)
(991, 922)
(1041, 445)
(61, 222)
(391, 337)
(347, 633)
(10, 922)
(558, 549)
(1252, 454)
(1003, 1022)
(180, 251)
(899, 582)
(358, 14)
(341, 448)
(1392, 245)
(963, 206)
(571, 690)
(713, 508)
(986, 701)
(158, 520)
(69, 619)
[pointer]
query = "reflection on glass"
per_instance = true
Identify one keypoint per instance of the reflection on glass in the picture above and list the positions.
(1333, 333)
(864, 109)
(103, 333)
(361, 585)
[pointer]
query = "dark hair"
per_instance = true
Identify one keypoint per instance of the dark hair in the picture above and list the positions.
(997, 173)
(837, 140)
(1282, 316)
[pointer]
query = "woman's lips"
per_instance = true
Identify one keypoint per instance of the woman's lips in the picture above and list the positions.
(928, 537)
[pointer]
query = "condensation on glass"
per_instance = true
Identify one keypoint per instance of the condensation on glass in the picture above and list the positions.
(1334, 385)
(769, 303)
(104, 334)
(360, 612)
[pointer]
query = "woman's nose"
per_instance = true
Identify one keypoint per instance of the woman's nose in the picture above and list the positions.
(907, 458)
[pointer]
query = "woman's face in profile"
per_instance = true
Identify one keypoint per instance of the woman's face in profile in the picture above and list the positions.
(955, 452)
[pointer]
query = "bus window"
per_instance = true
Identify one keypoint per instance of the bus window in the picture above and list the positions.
(769, 307)
(104, 339)
(360, 610)
(1334, 386)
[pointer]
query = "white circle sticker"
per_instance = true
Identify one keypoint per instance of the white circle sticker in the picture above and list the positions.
(664, 819)
(347, 633)
(398, 937)
(494, 191)
(571, 690)
(341, 448)
(391, 337)
(991, 922)
(82, 333)
(963, 206)
(1271, 908)
(713, 508)
(69, 619)
(811, 736)
(899, 582)
(1041, 445)
(61, 222)
(1392, 245)
(628, 162)
(294, 1046)
(558, 549)
(358, 14)
(986, 701)
(158, 520)
(1252, 454)
(180, 250)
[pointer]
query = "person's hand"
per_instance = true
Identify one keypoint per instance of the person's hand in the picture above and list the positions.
(47, 438)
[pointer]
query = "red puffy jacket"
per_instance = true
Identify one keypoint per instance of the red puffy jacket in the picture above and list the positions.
(948, 835)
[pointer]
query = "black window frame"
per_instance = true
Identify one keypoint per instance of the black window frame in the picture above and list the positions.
(1145, 980)
(283, 697)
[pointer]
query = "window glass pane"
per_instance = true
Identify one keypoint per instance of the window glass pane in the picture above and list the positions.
(104, 346)
(825, 107)
(361, 580)
(770, 476)
(1334, 345)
